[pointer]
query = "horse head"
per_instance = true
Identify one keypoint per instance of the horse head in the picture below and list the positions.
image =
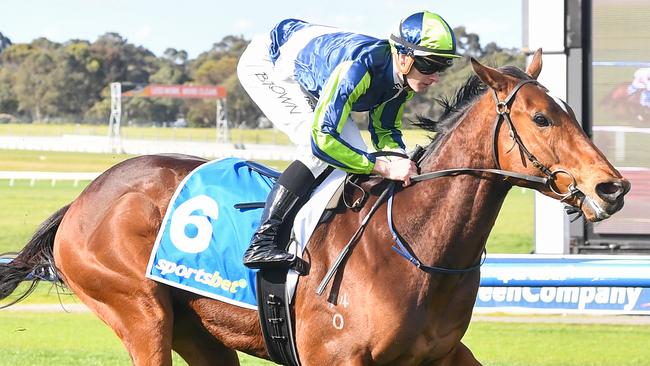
(537, 134)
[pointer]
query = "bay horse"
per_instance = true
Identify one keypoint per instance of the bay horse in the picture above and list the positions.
(387, 312)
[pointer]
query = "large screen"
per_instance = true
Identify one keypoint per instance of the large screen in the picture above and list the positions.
(621, 103)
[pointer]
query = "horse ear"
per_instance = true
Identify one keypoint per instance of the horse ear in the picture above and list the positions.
(491, 77)
(535, 66)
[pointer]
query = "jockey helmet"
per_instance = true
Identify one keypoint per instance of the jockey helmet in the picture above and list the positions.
(425, 34)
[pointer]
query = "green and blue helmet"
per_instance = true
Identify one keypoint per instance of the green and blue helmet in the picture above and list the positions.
(425, 34)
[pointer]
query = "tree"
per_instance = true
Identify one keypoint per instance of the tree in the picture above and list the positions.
(135, 66)
(4, 42)
(14, 55)
(229, 46)
(219, 67)
(33, 87)
(215, 72)
(45, 80)
(75, 80)
(242, 111)
(122, 61)
(468, 44)
(8, 99)
(175, 56)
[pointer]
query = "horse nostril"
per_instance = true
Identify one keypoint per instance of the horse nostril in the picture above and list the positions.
(611, 191)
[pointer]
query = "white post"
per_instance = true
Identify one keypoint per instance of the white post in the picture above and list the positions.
(620, 146)
(544, 27)
(223, 134)
(114, 122)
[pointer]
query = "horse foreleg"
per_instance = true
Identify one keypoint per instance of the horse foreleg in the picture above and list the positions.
(198, 347)
(459, 356)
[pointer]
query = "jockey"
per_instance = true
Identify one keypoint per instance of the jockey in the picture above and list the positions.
(641, 83)
(307, 79)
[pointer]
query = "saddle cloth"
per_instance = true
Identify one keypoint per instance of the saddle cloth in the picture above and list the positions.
(202, 239)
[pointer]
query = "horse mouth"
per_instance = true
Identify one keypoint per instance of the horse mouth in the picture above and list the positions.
(595, 211)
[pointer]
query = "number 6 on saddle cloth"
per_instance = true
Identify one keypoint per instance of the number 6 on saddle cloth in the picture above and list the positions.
(207, 227)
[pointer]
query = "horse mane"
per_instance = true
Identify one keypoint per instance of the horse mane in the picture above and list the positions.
(454, 108)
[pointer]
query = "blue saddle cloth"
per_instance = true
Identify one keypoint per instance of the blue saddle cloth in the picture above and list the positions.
(203, 236)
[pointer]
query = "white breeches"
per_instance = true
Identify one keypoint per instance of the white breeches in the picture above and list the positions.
(277, 93)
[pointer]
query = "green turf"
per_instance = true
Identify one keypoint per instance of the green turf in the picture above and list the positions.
(516, 344)
(66, 340)
(57, 339)
(81, 339)
(25, 207)
(260, 136)
(513, 231)
(23, 160)
(246, 136)
(29, 206)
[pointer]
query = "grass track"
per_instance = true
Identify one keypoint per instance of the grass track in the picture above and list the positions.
(246, 136)
(81, 339)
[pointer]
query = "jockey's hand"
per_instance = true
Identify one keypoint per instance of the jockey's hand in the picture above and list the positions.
(396, 169)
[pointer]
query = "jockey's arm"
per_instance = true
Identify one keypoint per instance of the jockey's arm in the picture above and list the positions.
(347, 83)
(386, 135)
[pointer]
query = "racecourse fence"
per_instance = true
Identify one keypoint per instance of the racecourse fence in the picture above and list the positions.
(625, 145)
(53, 177)
(104, 144)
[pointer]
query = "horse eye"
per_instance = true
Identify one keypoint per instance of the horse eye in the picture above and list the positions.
(541, 120)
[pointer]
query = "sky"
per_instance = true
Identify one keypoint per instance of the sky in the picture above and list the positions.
(195, 25)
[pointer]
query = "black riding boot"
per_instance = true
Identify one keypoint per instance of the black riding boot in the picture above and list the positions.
(265, 251)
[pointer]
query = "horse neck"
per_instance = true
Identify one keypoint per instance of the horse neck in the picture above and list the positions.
(455, 215)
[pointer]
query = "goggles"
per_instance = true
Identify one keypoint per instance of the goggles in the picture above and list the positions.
(429, 65)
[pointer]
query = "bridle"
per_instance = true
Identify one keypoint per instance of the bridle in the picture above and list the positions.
(503, 114)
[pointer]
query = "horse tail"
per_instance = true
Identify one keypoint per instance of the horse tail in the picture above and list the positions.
(35, 262)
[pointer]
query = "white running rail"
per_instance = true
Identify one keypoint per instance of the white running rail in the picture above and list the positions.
(53, 177)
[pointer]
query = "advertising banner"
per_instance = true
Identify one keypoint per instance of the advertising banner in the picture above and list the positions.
(565, 284)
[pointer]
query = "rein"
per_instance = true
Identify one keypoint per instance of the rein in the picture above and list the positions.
(402, 248)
